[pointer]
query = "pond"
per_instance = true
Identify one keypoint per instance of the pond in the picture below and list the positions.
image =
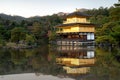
(60, 63)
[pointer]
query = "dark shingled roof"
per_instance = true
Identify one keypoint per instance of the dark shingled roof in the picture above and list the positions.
(78, 14)
(71, 24)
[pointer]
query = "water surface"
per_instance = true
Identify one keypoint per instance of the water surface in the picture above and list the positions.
(60, 63)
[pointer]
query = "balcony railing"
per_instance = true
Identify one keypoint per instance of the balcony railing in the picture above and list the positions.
(66, 31)
(67, 22)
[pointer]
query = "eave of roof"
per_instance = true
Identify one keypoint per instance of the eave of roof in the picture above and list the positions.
(71, 24)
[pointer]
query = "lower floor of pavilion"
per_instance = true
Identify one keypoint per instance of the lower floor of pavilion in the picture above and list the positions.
(75, 38)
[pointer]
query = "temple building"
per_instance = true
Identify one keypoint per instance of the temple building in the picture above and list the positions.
(76, 30)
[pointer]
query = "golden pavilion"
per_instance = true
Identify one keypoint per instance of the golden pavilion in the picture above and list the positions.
(76, 30)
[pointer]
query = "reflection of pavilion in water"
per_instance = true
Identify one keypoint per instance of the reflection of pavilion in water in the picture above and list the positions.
(76, 60)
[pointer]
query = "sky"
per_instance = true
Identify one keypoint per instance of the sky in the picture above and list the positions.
(29, 8)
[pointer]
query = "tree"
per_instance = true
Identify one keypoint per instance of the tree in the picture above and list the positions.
(115, 14)
(39, 33)
(18, 34)
(2, 31)
(110, 29)
(105, 39)
(116, 34)
(30, 39)
(117, 4)
(36, 30)
(52, 35)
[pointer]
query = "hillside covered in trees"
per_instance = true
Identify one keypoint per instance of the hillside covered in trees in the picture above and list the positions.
(107, 22)
(35, 30)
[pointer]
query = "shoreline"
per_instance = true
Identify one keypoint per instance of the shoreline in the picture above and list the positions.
(32, 76)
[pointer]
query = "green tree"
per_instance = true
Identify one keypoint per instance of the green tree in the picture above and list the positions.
(117, 4)
(30, 39)
(2, 31)
(39, 33)
(105, 39)
(116, 34)
(52, 35)
(18, 34)
(36, 29)
(110, 30)
(115, 14)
